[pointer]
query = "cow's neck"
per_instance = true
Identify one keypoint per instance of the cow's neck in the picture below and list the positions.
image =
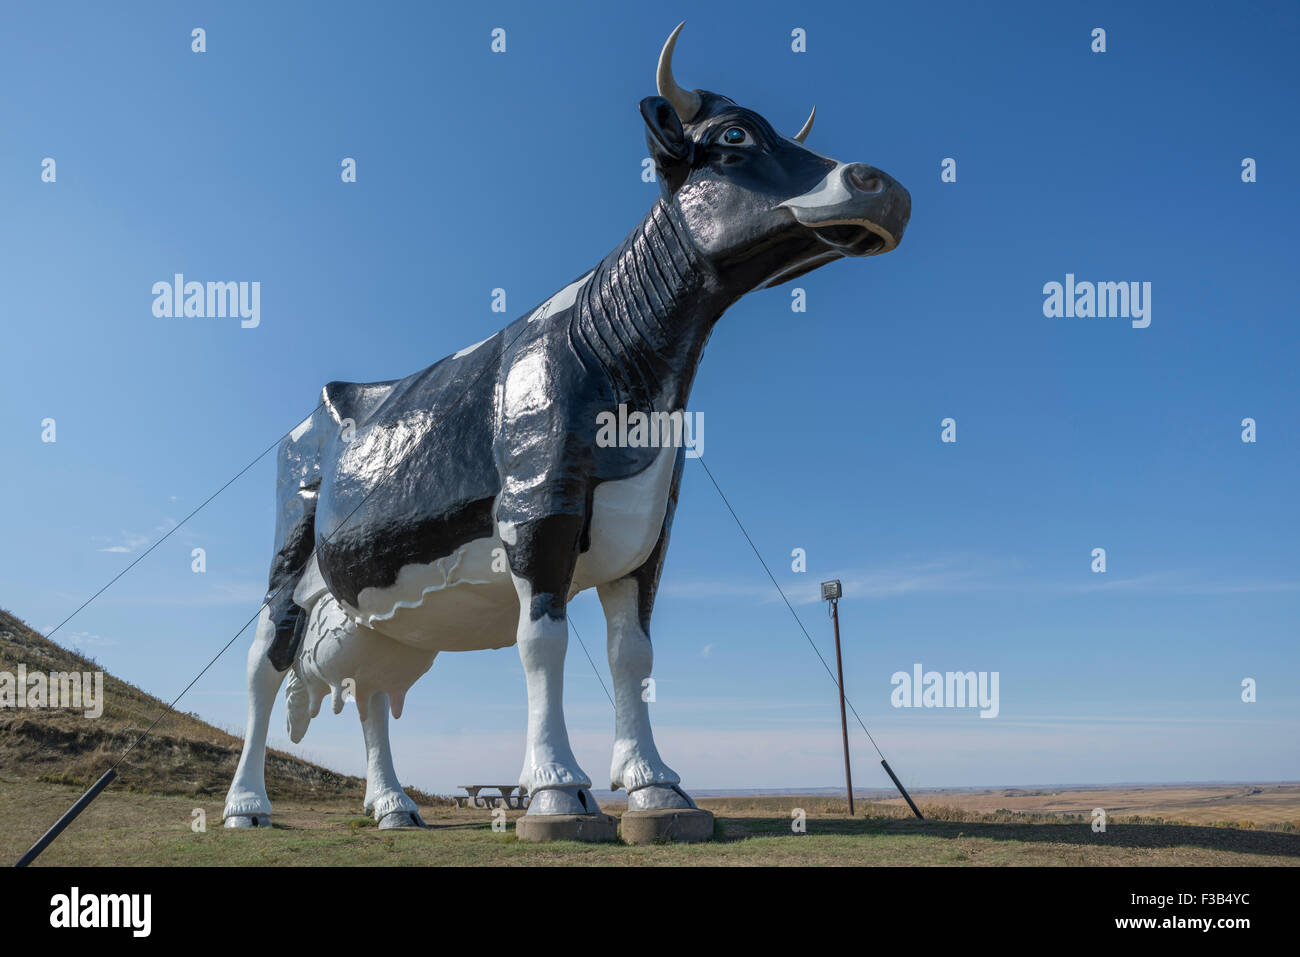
(648, 310)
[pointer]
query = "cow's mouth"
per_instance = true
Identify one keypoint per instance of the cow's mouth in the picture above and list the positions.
(853, 239)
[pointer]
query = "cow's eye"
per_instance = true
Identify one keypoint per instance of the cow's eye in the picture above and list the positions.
(737, 136)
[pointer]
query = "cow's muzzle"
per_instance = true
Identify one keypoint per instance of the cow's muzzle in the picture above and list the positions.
(857, 209)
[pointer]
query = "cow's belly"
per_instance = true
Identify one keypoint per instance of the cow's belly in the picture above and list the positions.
(456, 603)
(466, 601)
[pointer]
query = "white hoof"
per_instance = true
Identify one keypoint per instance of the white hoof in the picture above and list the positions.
(401, 819)
(573, 800)
(554, 774)
(657, 797)
(632, 771)
(248, 820)
(244, 803)
(388, 802)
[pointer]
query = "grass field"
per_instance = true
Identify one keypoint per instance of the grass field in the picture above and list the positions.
(1262, 806)
(49, 756)
(125, 828)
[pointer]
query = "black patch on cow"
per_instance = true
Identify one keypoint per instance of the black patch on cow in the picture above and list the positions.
(507, 432)
(544, 554)
(647, 576)
(286, 570)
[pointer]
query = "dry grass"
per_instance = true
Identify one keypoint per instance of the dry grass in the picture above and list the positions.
(126, 828)
(48, 756)
(183, 755)
(1273, 807)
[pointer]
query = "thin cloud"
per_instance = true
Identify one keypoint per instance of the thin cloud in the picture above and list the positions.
(961, 575)
(84, 638)
(940, 575)
(129, 543)
(250, 594)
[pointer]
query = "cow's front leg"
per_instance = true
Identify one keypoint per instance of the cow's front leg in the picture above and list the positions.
(542, 555)
(636, 766)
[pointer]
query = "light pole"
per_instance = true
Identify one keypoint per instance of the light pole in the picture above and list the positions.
(831, 592)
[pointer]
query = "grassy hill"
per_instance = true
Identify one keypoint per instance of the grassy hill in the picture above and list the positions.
(183, 755)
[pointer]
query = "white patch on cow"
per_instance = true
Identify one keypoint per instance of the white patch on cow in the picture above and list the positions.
(526, 384)
(445, 605)
(636, 761)
(459, 603)
(627, 517)
(310, 586)
(548, 757)
(339, 655)
(468, 349)
(562, 300)
(831, 191)
(301, 428)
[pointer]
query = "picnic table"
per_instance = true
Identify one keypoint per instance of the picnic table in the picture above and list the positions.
(506, 799)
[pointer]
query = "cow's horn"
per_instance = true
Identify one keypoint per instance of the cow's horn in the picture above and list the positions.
(685, 102)
(807, 127)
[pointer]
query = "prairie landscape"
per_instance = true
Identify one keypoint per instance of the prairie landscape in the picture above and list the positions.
(138, 828)
(165, 809)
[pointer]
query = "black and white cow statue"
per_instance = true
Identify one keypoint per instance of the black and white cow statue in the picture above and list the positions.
(463, 506)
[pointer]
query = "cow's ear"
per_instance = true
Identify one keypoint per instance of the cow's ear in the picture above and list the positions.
(669, 146)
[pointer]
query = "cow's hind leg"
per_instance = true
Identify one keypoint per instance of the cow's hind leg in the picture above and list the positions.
(246, 802)
(636, 766)
(339, 656)
(298, 478)
(542, 556)
(385, 798)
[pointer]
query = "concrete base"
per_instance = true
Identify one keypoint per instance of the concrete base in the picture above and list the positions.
(592, 828)
(682, 825)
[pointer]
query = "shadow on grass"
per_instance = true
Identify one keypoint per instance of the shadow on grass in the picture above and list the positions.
(1116, 835)
(466, 826)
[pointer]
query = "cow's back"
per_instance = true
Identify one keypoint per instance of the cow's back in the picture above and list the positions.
(415, 480)
(501, 432)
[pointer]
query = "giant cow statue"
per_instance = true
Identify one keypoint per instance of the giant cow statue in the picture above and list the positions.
(463, 506)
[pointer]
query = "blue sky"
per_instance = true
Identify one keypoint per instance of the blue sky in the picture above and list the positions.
(520, 171)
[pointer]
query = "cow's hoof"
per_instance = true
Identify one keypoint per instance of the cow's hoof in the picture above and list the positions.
(659, 797)
(248, 820)
(389, 803)
(571, 800)
(401, 819)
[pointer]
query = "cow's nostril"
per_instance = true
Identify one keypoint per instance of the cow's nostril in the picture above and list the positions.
(864, 181)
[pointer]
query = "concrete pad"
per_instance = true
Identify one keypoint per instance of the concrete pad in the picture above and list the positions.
(592, 828)
(683, 825)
